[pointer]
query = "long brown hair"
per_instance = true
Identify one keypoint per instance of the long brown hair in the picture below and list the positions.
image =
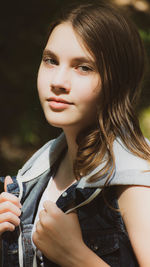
(115, 43)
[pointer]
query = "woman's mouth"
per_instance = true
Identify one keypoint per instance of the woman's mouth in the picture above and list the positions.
(57, 103)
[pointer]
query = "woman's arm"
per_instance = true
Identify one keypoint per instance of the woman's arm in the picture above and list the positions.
(58, 236)
(134, 204)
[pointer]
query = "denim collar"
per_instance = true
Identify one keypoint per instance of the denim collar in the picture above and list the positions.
(129, 169)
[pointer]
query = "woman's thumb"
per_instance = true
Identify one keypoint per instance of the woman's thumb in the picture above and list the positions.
(8, 180)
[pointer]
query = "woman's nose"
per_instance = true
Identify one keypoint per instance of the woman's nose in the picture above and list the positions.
(60, 80)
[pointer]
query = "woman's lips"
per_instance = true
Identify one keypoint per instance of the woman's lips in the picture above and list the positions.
(58, 103)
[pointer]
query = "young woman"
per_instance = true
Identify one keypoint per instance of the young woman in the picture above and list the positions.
(83, 199)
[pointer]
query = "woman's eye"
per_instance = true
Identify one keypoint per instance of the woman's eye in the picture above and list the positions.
(50, 61)
(84, 68)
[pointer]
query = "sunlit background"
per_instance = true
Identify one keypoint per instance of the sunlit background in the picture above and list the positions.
(23, 28)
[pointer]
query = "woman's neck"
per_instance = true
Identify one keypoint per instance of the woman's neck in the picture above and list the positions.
(66, 166)
(72, 145)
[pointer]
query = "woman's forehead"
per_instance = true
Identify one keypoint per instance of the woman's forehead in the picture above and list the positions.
(66, 41)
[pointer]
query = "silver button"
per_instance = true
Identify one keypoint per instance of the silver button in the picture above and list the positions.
(64, 194)
(41, 258)
(42, 264)
(39, 255)
(95, 248)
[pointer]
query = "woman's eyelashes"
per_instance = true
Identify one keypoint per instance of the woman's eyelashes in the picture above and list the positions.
(81, 68)
(84, 68)
(50, 61)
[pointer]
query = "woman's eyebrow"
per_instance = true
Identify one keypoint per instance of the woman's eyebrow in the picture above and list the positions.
(80, 60)
(49, 53)
(74, 61)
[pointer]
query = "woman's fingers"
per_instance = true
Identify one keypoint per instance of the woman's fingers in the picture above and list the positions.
(51, 208)
(9, 197)
(9, 217)
(57, 232)
(6, 226)
(8, 206)
(8, 180)
(9, 209)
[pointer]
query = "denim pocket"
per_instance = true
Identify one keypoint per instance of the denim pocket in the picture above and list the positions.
(105, 244)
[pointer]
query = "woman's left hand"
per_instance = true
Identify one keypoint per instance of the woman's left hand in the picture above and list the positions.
(58, 235)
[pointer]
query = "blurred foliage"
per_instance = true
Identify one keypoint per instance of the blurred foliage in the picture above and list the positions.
(145, 35)
(23, 27)
(144, 118)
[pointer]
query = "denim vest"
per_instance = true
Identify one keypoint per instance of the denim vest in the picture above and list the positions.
(102, 226)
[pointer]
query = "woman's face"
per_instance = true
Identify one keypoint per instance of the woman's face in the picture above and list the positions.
(68, 81)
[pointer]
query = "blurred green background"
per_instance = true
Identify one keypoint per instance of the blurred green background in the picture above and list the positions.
(23, 28)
